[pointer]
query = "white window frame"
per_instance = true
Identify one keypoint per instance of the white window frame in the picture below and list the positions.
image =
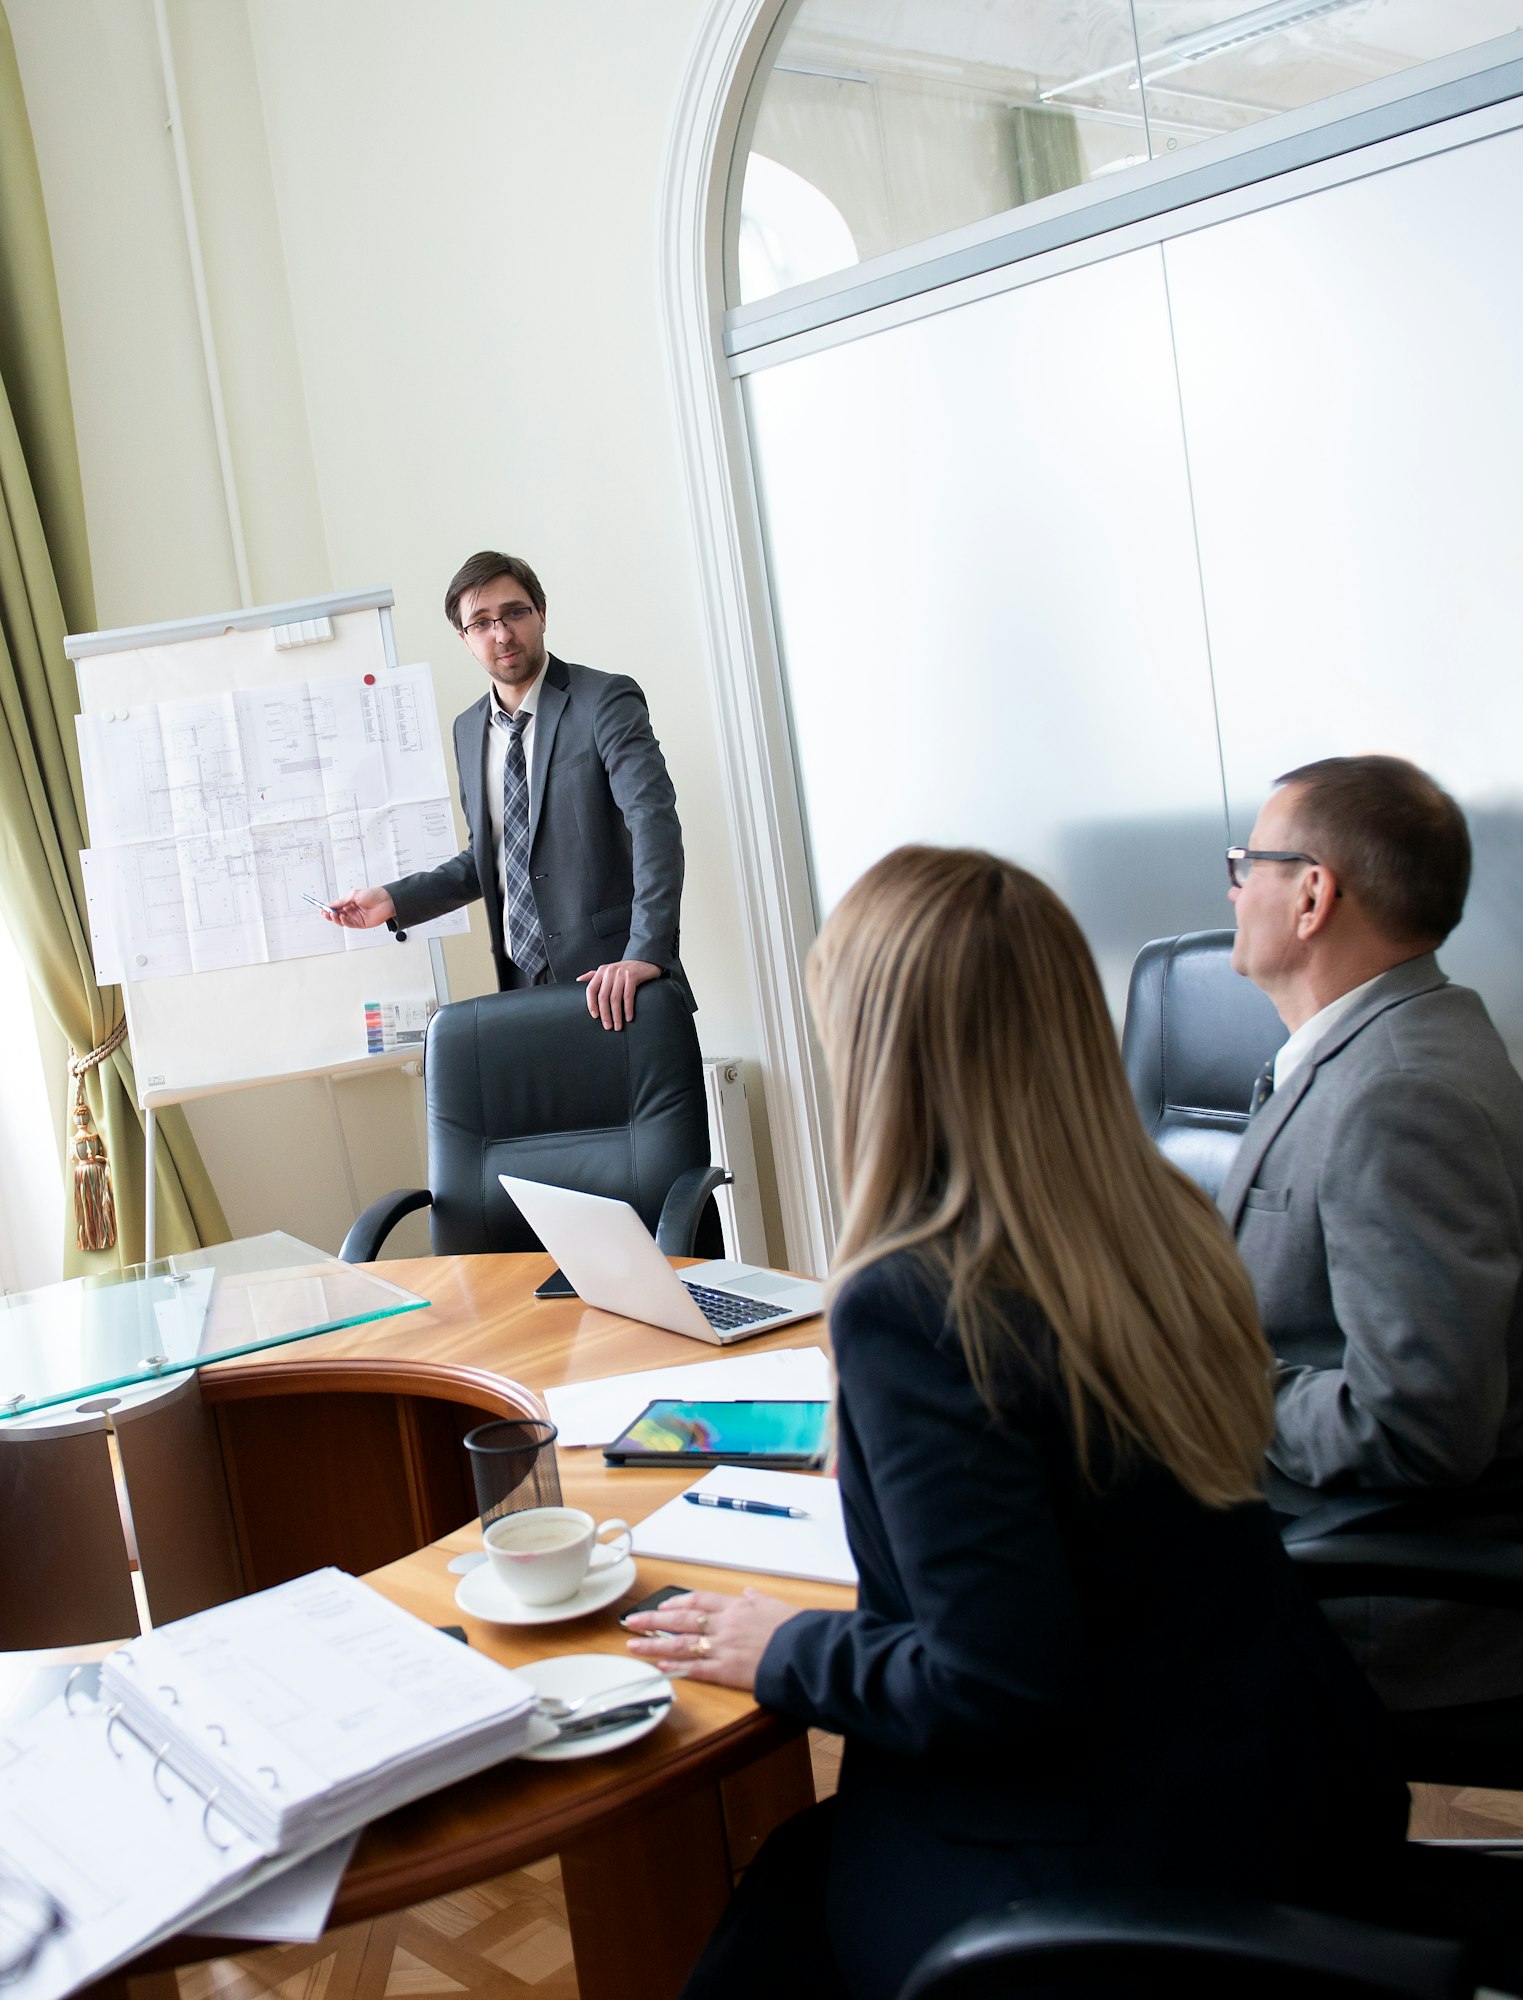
(709, 349)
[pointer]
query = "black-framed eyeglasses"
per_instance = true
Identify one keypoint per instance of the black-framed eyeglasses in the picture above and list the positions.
(28, 1918)
(1240, 861)
(511, 614)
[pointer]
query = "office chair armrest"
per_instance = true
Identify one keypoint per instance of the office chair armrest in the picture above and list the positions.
(1197, 1942)
(370, 1229)
(677, 1230)
(1449, 1567)
(1413, 1509)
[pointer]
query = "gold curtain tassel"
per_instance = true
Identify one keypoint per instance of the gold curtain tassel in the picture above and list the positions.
(94, 1203)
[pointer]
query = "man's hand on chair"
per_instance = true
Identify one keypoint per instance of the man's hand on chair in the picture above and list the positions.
(611, 989)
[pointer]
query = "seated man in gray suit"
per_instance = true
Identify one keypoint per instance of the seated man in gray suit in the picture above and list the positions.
(574, 841)
(1377, 1196)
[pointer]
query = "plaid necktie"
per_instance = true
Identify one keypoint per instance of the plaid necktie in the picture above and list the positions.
(1263, 1088)
(524, 941)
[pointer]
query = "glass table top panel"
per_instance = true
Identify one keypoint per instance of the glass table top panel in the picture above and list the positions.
(150, 1321)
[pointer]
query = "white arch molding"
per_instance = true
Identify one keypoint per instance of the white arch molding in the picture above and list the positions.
(775, 898)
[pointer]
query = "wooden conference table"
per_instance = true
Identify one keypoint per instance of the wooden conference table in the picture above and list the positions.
(347, 1449)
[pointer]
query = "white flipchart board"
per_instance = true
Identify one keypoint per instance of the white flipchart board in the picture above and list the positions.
(211, 1031)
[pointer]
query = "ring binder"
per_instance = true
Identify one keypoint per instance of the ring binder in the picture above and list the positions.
(209, 1785)
(109, 1849)
(207, 1810)
(68, 1689)
(161, 1758)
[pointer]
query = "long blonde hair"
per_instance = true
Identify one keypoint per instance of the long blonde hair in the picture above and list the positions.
(982, 1115)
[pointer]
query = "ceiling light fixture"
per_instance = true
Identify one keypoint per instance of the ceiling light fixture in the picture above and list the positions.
(1205, 42)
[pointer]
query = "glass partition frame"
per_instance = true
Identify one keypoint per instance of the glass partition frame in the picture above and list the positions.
(1162, 190)
(947, 120)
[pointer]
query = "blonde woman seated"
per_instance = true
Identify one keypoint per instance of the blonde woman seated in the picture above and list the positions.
(1080, 1656)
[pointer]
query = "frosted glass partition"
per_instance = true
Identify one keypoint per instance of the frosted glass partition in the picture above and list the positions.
(986, 591)
(1354, 408)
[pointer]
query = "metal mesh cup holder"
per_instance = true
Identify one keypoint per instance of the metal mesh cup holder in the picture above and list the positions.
(513, 1467)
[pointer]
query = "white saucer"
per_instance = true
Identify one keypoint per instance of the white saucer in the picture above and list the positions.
(572, 1675)
(482, 1596)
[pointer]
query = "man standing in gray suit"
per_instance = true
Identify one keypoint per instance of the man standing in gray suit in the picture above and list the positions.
(574, 841)
(1377, 1196)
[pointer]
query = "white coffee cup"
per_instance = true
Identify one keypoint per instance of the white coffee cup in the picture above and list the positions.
(542, 1554)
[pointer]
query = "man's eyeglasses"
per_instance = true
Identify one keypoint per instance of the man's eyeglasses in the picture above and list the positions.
(1240, 862)
(512, 614)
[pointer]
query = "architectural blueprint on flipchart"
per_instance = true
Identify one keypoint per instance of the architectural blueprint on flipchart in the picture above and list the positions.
(213, 816)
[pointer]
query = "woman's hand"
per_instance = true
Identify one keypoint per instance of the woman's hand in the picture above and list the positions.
(714, 1637)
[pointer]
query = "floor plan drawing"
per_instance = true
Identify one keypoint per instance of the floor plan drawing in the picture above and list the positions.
(216, 818)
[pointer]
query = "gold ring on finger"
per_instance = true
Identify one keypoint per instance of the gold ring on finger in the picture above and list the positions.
(701, 1647)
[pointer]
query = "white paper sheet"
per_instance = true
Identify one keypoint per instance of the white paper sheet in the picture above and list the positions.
(215, 815)
(73, 1819)
(814, 1548)
(100, 903)
(594, 1413)
(293, 1908)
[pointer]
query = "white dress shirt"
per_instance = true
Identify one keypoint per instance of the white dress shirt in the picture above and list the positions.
(1293, 1053)
(497, 759)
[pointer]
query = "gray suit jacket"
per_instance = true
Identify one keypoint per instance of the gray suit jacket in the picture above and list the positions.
(1377, 1201)
(1378, 1204)
(605, 848)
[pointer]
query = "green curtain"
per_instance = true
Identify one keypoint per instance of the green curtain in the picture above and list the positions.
(44, 593)
(1048, 158)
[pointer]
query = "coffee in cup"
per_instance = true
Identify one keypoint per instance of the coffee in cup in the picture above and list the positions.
(542, 1554)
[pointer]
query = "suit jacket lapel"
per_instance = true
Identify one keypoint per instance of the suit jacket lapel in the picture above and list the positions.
(1402, 982)
(474, 776)
(1263, 1128)
(547, 719)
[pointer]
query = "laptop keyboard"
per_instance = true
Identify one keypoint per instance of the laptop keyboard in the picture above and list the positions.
(727, 1310)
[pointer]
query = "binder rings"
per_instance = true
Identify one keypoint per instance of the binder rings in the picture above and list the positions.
(223, 1749)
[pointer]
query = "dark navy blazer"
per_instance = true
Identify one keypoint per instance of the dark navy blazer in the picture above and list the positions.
(1047, 1685)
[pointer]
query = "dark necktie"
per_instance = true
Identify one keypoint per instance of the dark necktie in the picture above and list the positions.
(1263, 1088)
(525, 944)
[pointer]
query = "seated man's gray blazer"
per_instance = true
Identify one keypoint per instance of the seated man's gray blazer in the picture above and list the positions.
(1377, 1201)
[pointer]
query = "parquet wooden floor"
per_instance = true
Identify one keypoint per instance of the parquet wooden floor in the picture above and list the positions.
(504, 1937)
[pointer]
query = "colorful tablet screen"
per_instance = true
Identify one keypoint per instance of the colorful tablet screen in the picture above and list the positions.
(794, 1431)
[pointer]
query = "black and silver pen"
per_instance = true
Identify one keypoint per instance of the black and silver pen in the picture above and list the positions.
(746, 1506)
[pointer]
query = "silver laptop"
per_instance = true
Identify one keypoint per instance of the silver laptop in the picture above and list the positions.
(611, 1258)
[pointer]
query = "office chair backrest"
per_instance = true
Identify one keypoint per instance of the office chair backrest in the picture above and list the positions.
(1170, 1944)
(1196, 1035)
(529, 1083)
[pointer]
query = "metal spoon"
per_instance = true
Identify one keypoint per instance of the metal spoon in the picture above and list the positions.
(555, 1710)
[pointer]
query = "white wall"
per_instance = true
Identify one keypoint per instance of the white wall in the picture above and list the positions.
(430, 240)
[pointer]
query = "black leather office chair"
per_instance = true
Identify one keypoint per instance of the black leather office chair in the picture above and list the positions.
(1183, 1945)
(1196, 1035)
(1479, 1743)
(530, 1084)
